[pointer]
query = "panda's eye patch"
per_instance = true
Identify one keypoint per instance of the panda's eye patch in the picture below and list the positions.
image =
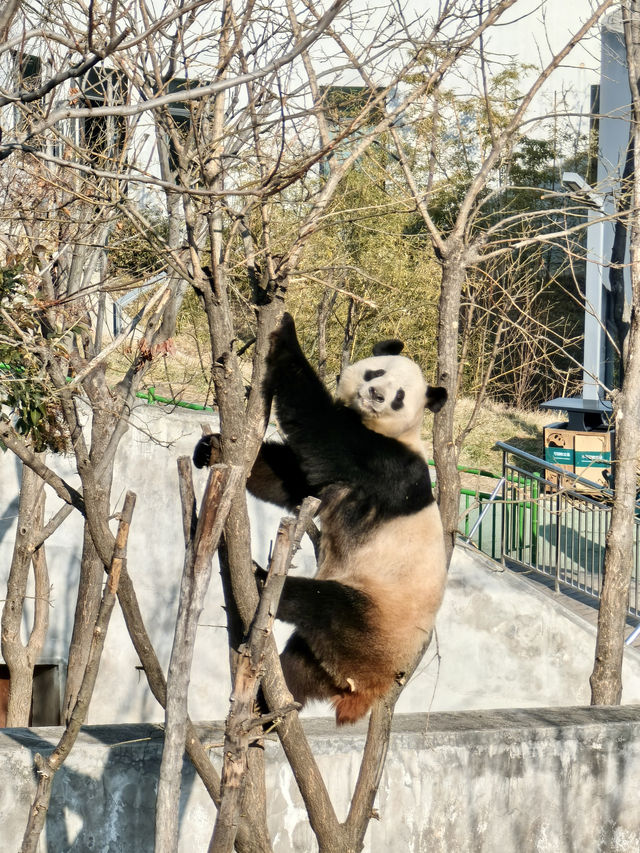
(373, 374)
(398, 400)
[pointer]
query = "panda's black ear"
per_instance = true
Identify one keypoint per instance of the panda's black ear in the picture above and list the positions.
(436, 398)
(391, 347)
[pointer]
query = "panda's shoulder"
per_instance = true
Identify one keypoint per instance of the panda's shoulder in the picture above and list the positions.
(394, 478)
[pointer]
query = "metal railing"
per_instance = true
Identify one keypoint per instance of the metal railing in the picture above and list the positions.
(556, 530)
(480, 517)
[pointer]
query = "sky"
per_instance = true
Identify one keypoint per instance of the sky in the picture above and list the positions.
(532, 31)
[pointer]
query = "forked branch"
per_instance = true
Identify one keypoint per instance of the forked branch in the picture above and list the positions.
(247, 679)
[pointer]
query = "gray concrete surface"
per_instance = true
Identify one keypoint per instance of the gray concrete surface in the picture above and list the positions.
(526, 781)
(501, 642)
(505, 641)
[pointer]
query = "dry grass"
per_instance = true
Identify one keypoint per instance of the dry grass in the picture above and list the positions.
(181, 374)
(496, 422)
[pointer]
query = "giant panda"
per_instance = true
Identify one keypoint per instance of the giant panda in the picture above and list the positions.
(381, 567)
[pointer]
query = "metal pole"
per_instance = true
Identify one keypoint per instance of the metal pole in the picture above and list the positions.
(633, 635)
(487, 506)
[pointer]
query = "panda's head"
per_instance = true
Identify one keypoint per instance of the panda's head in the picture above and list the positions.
(389, 393)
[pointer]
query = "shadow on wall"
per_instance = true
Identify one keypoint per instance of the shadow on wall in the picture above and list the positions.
(88, 804)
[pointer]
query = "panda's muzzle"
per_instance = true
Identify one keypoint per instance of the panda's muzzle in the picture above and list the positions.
(370, 401)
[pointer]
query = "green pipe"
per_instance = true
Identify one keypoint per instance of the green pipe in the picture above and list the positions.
(151, 397)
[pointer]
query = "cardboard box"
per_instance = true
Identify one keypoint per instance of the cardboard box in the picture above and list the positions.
(592, 456)
(558, 449)
(585, 453)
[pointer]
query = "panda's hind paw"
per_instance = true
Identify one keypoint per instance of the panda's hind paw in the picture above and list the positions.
(351, 707)
(207, 451)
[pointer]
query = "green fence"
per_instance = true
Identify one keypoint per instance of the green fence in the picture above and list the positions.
(151, 397)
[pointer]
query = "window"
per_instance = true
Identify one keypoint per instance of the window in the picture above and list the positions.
(104, 136)
(344, 105)
(28, 78)
(180, 113)
(46, 700)
(29, 72)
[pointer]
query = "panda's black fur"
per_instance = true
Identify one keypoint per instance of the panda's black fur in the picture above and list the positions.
(381, 568)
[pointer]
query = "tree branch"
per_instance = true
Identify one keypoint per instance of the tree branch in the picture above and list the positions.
(247, 679)
(47, 767)
(221, 487)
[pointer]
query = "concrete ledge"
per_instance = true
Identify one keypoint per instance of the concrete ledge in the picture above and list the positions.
(543, 780)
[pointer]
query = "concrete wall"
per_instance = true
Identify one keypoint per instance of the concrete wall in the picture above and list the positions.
(146, 464)
(543, 781)
(501, 642)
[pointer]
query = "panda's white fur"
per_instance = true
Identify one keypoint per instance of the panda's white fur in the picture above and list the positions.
(382, 567)
(409, 591)
(410, 547)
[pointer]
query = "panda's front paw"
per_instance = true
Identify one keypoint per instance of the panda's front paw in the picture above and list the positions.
(284, 354)
(436, 398)
(207, 451)
(286, 327)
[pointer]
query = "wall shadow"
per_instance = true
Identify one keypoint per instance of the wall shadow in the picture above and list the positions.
(103, 799)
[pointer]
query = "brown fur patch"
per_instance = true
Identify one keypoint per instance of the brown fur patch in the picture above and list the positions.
(305, 677)
(402, 570)
(352, 706)
(261, 482)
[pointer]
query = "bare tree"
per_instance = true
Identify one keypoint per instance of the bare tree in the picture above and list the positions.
(466, 244)
(47, 767)
(58, 223)
(242, 425)
(233, 122)
(20, 658)
(228, 103)
(63, 201)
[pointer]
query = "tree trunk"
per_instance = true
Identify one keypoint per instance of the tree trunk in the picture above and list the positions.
(195, 582)
(618, 318)
(241, 720)
(91, 570)
(606, 678)
(47, 767)
(21, 658)
(445, 450)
